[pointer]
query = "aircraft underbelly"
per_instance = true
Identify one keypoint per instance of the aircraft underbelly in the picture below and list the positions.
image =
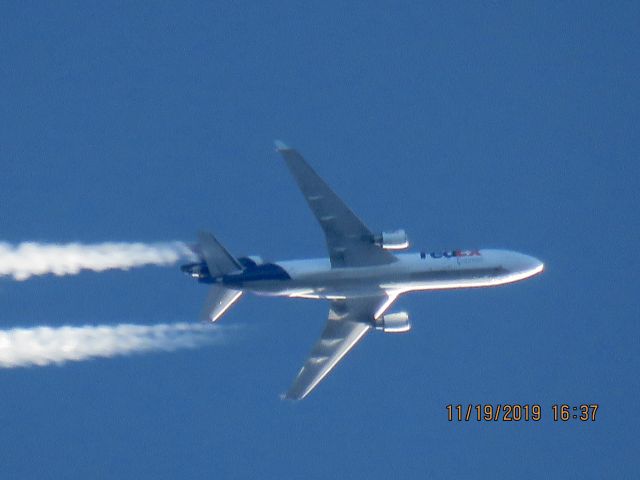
(315, 288)
(359, 282)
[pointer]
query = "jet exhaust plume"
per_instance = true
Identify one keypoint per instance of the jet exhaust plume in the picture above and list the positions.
(27, 259)
(23, 347)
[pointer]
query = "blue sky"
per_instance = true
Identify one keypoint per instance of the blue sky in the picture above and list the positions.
(477, 125)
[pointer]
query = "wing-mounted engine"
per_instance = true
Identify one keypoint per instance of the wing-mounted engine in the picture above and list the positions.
(393, 323)
(396, 240)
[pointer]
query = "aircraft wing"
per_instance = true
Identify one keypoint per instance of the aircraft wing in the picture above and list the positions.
(349, 241)
(349, 321)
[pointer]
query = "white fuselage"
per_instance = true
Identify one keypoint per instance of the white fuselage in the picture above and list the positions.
(314, 278)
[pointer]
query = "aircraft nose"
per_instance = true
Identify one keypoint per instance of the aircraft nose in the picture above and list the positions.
(527, 265)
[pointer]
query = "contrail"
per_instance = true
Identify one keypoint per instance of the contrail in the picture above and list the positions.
(29, 258)
(22, 347)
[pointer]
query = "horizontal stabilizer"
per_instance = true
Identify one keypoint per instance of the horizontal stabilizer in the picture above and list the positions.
(218, 260)
(218, 301)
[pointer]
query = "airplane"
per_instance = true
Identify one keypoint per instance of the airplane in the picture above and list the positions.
(361, 278)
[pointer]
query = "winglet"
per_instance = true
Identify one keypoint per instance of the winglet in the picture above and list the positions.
(280, 145)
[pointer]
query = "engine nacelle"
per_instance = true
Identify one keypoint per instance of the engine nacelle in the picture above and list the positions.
(196, 270)
(251, 261)
(396, 240)
(393, 323)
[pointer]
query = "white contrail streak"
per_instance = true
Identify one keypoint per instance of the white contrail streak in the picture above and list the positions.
(22, 347)
(28, 258)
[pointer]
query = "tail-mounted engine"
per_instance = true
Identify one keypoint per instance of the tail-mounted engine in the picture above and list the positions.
(197, 270)
(396, 240)
(393, 323)
(251, 261)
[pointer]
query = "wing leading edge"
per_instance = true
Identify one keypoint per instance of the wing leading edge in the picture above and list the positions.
(349, 320)
(349, 241)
